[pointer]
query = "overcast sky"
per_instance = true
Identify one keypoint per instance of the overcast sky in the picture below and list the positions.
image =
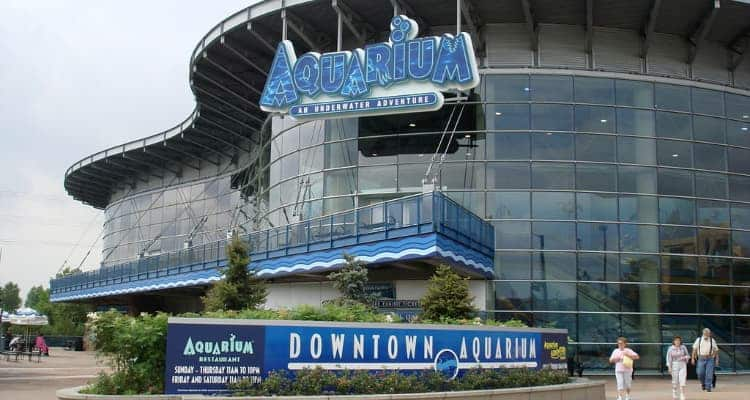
(76, 77)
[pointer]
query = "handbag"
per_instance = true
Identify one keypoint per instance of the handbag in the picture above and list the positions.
(627, 362)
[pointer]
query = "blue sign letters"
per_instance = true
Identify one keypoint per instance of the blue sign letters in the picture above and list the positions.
(405, 74)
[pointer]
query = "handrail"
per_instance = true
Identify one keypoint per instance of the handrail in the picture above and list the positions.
(415, 214)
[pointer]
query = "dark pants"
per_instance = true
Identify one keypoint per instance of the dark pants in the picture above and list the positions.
(705, 369)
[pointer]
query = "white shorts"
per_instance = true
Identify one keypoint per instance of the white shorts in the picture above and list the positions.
(624, 379)
(679, 373)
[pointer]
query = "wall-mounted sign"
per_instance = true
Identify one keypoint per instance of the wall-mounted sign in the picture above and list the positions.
(405, 74)
(204, 355)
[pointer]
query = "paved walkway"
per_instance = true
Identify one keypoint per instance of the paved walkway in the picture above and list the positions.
(728, 387)
(24, 380)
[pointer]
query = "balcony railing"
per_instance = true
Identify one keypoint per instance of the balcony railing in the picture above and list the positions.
(406, 216)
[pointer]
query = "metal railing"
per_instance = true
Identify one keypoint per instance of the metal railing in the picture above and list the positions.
(406, 216)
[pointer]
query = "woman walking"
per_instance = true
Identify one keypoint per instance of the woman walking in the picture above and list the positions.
(677, 358)
(623, 358)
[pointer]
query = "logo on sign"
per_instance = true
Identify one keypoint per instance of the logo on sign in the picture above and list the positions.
(404, 74)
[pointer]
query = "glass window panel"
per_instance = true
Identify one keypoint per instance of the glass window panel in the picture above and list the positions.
(552, 146)
(507, 88)
(741, 273)
(741, 243)
(674, 125)
(640, 298)
(551, 88)
(738, 133)
(709, 129)
(708, 102)
(710, 185)
(419, 148)
(341, 154)
(377, 179)
(631, 121)
(741, 216)
(634, 93)
(678, 269)
(714, 270)
(552, 176)
(595, 148)
(739, 160)
(742, 306)
(513, 265)
(557, 321)
(553, 205)
(553, 296)
(376, 151)
(410, 177)
(466, 175)
(739, 188)
(716, 300)
(508, 205)
(712, 213)
(553, 235)
(639, 268)
(472, 201)
(638, 238)
(553, 117)
(507, 116)
(676, 211)
(713, 242)
(341, 128)
(341, 181)
(675, 182)
(597, 328)
(598, 266)
(634, 208)
(709, 156)
(636, 150)
(595, 119)
(311, 159)
(598, 237)
(550, 265)
(601, 177)
(512, 296)
(672, 97)
(596, 206)
(508, 175)
(512, 234)
(738, 106)
(290, 166)
(508, 146)
(594, 90)
(632, 179)
(677, 239)
(337, 204)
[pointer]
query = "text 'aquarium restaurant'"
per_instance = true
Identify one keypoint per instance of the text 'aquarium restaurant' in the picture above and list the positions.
(585, 163)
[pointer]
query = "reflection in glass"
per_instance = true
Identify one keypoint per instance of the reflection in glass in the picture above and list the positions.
(709, 129)
(551, 88)
(595, 119)
(598, 266)
(553, 205)
(712, 270)
(675, 182)
(513, 296)
(552, 146)
(712, 213)
(599, 177)
(709, 156)
(552, 176)
(678, 269)
(512, 234)
(677, 239)
(502, 88)
(639, 268)
(508, 205)
(508, 146)
(707, 101)
(553, 117)
(676, 211)
(594, 90)
(739, 160)
(508, 175)
(631, 121)
(672, 97)
(632, 179)
(507, 116)
(553, 235)
(636, 150)
(596, 206)
(512, 265)
(553, 296)
(674, 125)
(549, 265)
(674, 153)
(634, 93)
(711, 185)
(595, 148)
(598, 237)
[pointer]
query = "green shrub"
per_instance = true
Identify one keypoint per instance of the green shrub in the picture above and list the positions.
(351, 281)
(239, 288)
(447, 296)
(321, 382)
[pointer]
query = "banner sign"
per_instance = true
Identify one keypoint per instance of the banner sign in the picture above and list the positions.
(204, 355)
(405, 74)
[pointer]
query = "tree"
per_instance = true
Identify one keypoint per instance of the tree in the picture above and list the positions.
(447, 296)
(239, 288)
(37, 295)
(351, 280)
(10, 299)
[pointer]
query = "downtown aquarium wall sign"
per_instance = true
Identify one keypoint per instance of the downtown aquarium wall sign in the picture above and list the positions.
(405, 74)
(204, 355)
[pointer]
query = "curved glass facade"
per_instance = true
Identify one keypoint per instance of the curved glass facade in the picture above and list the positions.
(621, 206)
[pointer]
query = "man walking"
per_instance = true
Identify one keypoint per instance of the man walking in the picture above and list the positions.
(706, 352)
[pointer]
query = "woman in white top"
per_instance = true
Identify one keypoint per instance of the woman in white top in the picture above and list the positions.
(677, 358)
(623, 358)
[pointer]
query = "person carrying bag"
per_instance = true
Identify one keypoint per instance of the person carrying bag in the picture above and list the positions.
(705, 356)
(623, 358)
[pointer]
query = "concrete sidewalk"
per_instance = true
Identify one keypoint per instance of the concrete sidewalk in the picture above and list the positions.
(728, 387)
(24, 380)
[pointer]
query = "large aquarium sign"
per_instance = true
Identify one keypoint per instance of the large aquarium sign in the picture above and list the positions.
(405, 74)
(205, 355)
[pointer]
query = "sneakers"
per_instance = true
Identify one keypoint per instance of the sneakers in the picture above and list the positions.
(674, 394)
(619, 398)
(682, 396)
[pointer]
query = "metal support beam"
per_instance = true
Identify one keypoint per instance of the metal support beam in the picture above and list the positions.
(145, 171)
(314, 39)
(475, 24)
(220, 140)
(149, 164)
(228, 104)
(738, 47)
(697, 38)
(403, 7)
(353, 20)
(106, 181)
(187, 153)
(531, 24)
(233, 76)
(589, 27)
(231, 118)
(166, 158)
(203, 146)
(238, 96)
(225, 129)
(133, 174)
(648, 30)
(244, 58)
(252, 28)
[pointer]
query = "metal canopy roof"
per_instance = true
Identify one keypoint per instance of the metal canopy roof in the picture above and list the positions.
(228, 68)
